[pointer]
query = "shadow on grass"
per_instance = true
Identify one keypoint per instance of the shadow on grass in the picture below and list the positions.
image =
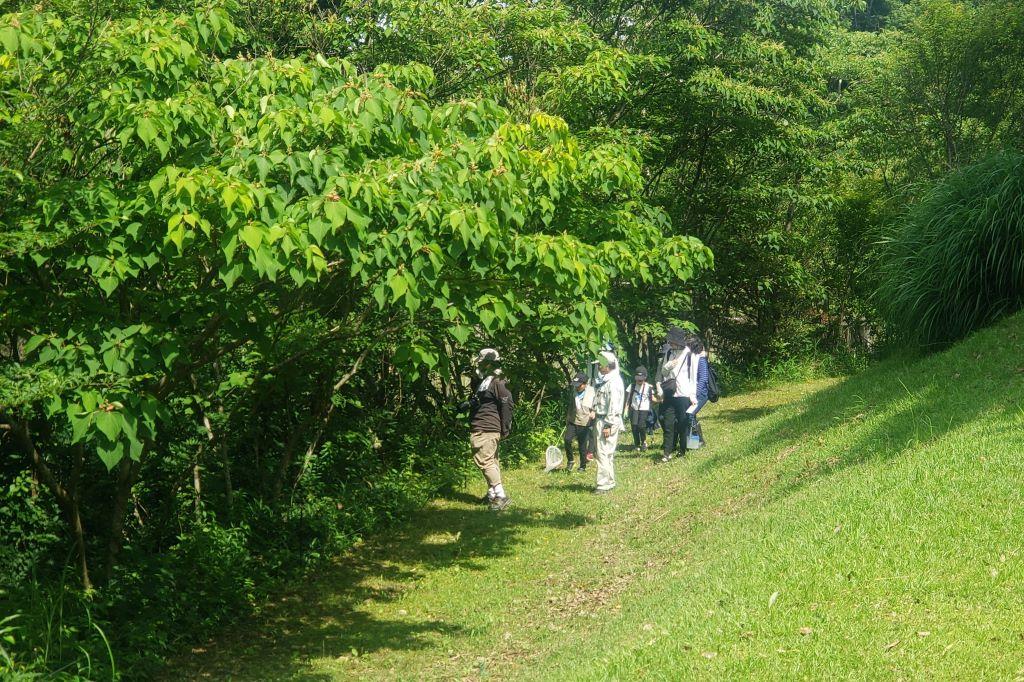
(332, 615)
(881, 412)
(742, 414)
(571, 484)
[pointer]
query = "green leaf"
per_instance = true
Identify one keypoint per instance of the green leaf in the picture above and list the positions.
(110, 453)
(157, 184)
(252, 235)
(109, 423)
(398, 286)
(9, 39)
(229, 274)
(34, 342)
(80, 422)
(109, 284)
(146, 130)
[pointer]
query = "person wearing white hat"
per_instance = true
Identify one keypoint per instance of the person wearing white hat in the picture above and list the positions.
(490, 419)
(608, 407)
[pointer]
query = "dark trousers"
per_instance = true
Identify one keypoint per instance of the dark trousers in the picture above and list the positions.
(639, 421)
(676, 424)
(581, 435)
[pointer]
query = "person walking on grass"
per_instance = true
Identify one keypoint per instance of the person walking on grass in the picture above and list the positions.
(639, 403)
(608, 405)
(703, 372)
(578, 419)
(490, 420)
(677, 389)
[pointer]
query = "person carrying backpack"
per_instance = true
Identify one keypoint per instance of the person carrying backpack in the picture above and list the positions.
(696, 347)
(490, 421)
(639, 403)
(578, 419)
(677, 389)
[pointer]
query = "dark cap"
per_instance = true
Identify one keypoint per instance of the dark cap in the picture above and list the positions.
(640, 373)
(580, 378)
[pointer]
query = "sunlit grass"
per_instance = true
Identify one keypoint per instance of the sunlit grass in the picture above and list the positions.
(866, 528)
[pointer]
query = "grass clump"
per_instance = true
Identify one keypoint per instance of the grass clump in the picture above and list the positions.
(956, 261)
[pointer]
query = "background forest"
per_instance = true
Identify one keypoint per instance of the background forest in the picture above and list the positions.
(249, 248)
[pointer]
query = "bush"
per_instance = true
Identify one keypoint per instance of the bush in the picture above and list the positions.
(955, 262)
(31, 529)
(532, 433)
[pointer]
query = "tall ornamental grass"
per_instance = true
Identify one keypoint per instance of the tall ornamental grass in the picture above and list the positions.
(955, 262)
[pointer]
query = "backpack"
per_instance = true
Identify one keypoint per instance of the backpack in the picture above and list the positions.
(714, 390)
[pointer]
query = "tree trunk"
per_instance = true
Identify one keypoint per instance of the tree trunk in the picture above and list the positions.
(127, 473)
(67, 500)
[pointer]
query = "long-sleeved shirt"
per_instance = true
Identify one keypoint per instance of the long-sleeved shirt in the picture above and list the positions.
(683, 368)
(611, 395)
(581, 406)
(491, 407)
(702, 377)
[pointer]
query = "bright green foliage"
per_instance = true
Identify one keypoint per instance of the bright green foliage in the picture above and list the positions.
(241, 180)
(955, 262)
(240, 293)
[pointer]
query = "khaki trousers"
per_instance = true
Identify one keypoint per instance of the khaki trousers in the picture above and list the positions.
(605, 455)
(485, 454)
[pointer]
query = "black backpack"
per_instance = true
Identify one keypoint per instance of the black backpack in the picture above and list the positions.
(714, 390)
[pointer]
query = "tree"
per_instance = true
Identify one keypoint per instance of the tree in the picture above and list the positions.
(184, 209)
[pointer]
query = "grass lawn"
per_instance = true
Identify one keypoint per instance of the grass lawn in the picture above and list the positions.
(866, 528)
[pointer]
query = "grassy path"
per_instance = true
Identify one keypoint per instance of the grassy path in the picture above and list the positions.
(869, 528)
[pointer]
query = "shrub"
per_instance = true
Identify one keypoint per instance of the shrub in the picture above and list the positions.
(955, 262)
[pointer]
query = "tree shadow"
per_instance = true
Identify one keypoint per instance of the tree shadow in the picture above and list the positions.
(332, 615)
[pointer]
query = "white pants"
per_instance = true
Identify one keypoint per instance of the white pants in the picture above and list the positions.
(605, 455)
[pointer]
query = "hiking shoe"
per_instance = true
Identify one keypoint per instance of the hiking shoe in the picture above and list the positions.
(603, 491)
(486, 499)
(666, 458)
(500, 503)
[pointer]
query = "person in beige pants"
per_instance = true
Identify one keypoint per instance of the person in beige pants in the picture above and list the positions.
(608, 404)
(490, 420)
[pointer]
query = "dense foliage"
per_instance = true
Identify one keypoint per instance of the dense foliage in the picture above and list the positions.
(249, 248)
(955, 262)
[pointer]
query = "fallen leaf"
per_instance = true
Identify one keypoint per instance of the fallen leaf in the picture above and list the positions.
(709, 655)
(892, 645)
(648, 627)
(805, 631)
(771, 599)
(923, 633)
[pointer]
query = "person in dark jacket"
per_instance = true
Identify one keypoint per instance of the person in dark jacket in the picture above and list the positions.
(490, 420)
(697, 348)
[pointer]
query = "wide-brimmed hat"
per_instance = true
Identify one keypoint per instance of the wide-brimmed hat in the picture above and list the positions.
(487, 355)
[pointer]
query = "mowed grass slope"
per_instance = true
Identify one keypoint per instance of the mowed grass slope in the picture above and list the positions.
(866, 528)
